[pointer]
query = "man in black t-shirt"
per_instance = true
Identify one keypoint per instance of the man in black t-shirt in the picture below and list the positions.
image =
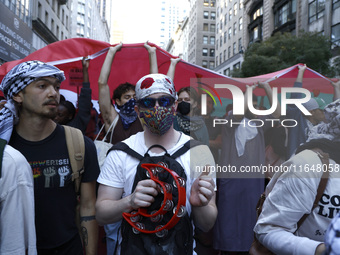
(32, 88)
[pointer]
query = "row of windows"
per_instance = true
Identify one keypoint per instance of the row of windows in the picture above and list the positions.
(228, 55)
(212, 27)
(206, 3)
(205, 64)
(232, 11)
(316, 10)
(206, 40)
(20, 8)
(226, 2)
(64, 18)
(205, 52)
(212, 15)
(235, 67)
(240, 25)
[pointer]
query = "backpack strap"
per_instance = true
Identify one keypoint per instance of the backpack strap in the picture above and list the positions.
(187, 146)
(76, 151)
(324, 157)
(121, 146)
(2, 148)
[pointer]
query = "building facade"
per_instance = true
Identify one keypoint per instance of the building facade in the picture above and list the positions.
(229, 36)
(201, 33)
(89, 19)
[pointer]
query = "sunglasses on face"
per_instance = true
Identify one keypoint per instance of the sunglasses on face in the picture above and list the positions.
(150, 102)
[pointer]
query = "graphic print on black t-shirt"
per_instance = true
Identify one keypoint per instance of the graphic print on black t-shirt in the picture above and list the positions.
(54, 173)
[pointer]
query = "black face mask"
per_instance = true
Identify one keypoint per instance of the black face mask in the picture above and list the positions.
(184, 108)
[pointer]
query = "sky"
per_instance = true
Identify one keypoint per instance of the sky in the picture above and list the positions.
(138, 19)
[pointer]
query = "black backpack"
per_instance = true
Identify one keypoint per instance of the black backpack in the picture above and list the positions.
(177, 240)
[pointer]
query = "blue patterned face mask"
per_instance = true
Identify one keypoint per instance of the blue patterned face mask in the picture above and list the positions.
(157, 119)
(127, 113)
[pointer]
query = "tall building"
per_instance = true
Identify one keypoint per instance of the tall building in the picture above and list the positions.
(229, 36)
(50, 21)
(178, 44)
(201, 33)
(172, 13)
(88, 20)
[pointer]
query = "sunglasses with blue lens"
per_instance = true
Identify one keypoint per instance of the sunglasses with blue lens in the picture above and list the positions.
(150, 102)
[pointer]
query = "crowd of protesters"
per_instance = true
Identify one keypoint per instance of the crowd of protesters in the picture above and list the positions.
(38, 208)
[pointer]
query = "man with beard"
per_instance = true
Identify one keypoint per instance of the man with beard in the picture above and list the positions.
(243, 145)
(32, 92)
(156, 107)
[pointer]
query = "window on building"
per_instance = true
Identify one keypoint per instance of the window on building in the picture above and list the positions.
(229, 52)
(216, 61)
(212, 28)
(240, 24)
(205, 27)
(225, 37)
(257, 13)
(224, 55)
(235, 28)
(335, 37)
(234, 48)
(235, 9)
(205, 63)
(205, 39)
(206, 3)
(230, 14)
(218, 25)
(46, 18)
(336, 4)
(211, 64)
(221, 25)
(212, 3)
(221, 41)
(213, 15)
(52, 25)
(212, 53)
(206, 15)
(226, 72)
(316, 10)
(226, 19)
(241, 4)
(236, 66)
(221, 58)
(217, 44)
(205, 52)
(229, 33)
(39, 11)
(240, 48)
(212, 40)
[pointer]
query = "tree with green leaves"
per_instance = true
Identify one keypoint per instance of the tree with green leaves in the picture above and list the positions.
(284, 50)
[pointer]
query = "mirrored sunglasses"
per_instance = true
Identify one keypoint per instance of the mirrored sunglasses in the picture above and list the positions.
(149, 102)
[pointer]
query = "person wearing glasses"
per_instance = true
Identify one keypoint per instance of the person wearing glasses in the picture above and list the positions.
(156, 107)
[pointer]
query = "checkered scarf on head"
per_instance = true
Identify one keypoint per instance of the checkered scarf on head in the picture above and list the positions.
(15, 81)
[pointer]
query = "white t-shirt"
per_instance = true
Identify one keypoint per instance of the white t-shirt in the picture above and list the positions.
(17, 227)
(292, 197)
(119, 169)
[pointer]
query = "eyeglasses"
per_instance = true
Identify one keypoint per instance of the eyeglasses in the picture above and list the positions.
(149, 102)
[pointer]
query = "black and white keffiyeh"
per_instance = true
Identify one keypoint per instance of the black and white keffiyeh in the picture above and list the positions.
(331, 129)
(15, 81)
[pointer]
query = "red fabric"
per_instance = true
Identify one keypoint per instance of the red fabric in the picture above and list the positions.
(129, 65)
(312, 80)
(132, 62)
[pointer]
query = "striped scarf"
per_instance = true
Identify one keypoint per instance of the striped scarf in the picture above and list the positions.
(15, 81)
